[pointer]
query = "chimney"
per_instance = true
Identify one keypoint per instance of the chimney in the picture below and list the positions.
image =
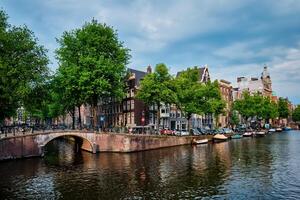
(149, 69)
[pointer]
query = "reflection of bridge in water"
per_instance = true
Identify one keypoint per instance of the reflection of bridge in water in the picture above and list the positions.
(18, 145)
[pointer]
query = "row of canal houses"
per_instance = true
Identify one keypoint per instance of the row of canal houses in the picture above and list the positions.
(131, 112)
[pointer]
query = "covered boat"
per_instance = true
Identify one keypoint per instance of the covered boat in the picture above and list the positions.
(201, 141)
(247, 134)
(278, 129)
(272, 130)
(219, 138)
(236, 136)
(287, 128)
(260, 134)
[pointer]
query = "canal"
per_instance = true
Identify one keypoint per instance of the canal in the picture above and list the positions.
(247, 168)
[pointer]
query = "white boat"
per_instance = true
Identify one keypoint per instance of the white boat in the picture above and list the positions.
(260, 133)
(278, 129)
(220, 137)
(272, 130)
(247, 134)
(203, 141)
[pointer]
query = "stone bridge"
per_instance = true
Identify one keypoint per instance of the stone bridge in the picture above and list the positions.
(30, 145)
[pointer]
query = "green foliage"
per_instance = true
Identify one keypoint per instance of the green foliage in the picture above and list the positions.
(194, 97)
(189, 92)
(256, 106)
(92, 65)
(283, 108)
(156, 88)
(234, 120)
(23, 67)
(296, 114)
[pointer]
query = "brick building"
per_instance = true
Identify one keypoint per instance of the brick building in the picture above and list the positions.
(226, 93)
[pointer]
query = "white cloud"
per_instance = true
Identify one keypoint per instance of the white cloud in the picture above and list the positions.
(284, 70)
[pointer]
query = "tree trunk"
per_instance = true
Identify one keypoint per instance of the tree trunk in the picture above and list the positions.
(73, 118)
(79, 117)
(158, 118)
(95, 124)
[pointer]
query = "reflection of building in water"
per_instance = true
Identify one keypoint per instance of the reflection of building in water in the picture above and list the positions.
(221, 150)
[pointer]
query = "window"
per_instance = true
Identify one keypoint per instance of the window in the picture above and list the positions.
(132, 104)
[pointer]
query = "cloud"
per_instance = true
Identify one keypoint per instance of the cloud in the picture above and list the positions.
(234, 37)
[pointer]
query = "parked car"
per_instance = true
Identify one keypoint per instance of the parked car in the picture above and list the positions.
(227, 131)
(167, 132)
(181, 132)
(195, 131)
(202, 131)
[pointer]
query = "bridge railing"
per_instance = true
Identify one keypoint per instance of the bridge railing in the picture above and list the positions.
(25, 129)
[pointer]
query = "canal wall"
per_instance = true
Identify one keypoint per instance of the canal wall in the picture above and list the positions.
(132, 143)
(34, 144)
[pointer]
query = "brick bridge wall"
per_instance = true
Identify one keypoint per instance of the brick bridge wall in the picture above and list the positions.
(33, 145)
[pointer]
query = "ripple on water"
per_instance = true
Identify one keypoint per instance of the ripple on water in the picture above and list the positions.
(250, 168)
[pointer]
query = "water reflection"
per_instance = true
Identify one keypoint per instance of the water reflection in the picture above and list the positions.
(263, 168)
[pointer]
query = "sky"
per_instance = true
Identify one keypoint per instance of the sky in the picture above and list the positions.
(234, 38)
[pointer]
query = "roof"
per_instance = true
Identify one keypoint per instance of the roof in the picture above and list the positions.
(138, 75)
(201, 72)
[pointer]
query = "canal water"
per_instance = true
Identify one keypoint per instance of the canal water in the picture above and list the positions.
(247, 168)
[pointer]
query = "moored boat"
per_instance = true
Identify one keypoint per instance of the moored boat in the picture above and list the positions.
(278, 129)
(247, 134)
(203, 141)
(272, 130)
(219, 138)
(287, 128)
(260, 134)
(236, 136)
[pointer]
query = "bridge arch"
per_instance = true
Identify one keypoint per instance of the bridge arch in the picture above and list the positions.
(86, 143)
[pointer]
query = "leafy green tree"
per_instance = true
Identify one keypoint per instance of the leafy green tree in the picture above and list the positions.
(214, 104)
(245, 106)
(23, 66)
(296, 114)
(256, 105)
(194, 97)
(234, 119)
(93, 62)
(283, 108)
(156, 89)
(269, 109)
(189, 93)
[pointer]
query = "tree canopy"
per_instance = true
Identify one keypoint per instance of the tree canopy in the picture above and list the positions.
(296, 114)
(156, 89)
(194, 97)
(92, 65)
(283, 108)
(256, 105)
(23, 67)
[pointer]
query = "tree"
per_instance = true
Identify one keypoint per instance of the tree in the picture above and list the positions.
(214, 104)
(23, 66)
(94, 63)
(194, 97)
(283, 108)
(269, 109)
(234, 119)
(189, 93)
(245, 106)
(256, 106)
(155, 89)
(296, 114)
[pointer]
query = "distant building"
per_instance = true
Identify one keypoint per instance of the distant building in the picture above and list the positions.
(130, 111)
(262, 85)
(226, 92)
